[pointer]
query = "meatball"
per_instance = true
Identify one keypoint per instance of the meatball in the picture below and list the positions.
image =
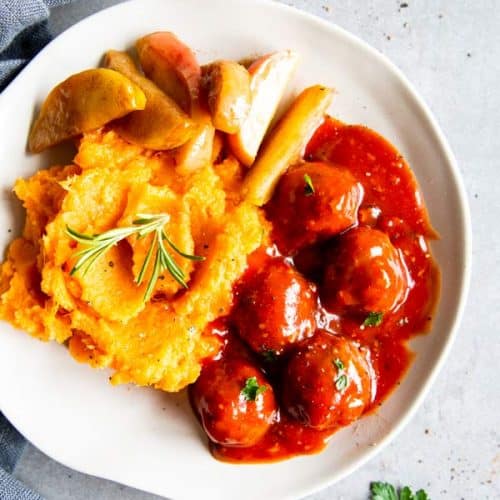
(327, 382)
(234, 402)
(276, 308)
(312, 202)
(365, 273)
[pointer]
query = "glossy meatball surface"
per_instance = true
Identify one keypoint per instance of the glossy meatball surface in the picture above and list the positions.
(327, 382)
(313, 201)
(276, 308)
(234, 402)
(365, 273)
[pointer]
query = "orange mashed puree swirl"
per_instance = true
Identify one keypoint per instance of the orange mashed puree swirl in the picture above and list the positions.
(101, 315)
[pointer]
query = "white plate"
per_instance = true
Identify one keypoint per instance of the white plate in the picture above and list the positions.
(148, 439)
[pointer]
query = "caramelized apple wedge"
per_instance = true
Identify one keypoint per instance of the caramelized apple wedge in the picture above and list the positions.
(286, 143)
(269, 76)
(81, 103)
(162, 124)
(172, 65)
(227, 86)
(218, 145)
(197, 152)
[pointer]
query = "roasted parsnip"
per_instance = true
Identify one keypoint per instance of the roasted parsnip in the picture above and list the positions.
(269, 76)
(286, 143)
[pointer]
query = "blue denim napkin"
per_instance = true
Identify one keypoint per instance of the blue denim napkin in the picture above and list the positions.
(11, 447)
(23, 32)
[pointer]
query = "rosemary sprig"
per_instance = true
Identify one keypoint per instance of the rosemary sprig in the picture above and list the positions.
(98, 244)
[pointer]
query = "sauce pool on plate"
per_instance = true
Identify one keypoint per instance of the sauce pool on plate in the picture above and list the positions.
(317, 334)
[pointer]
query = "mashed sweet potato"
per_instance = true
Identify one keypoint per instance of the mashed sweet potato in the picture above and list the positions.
(101, 315)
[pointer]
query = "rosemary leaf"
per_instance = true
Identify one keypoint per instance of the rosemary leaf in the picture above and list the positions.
(174, 247)
(94, 246)
(145, 264)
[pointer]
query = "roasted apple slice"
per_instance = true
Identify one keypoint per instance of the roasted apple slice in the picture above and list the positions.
(197, 152)
(269, 76)
(227, 86)
(286, 143)
(162, 124)
(81, 103)
(172, 65)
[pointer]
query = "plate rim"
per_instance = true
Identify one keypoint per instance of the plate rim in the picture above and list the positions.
(459, 187)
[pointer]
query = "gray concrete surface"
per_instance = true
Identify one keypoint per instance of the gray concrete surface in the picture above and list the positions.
(450, 50)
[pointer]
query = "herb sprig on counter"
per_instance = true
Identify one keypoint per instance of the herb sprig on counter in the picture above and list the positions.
(386, 491)
(96, 245)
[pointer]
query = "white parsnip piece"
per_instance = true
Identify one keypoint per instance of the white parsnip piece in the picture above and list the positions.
(286, 143)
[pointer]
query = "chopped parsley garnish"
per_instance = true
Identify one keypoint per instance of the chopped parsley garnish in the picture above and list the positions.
(338, 363)
(373, 319)
(252, 389)
(341, 381)
(309, 187)
(386, 491)
(269, 355)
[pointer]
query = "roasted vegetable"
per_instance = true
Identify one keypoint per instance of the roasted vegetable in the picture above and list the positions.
(197, 152)
(162, 124)
(286, 143)
(269, 76)
(83, 102)
(227, 87)
(172, 65)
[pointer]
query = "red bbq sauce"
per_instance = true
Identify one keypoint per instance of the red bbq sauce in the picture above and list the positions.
(392, 204)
